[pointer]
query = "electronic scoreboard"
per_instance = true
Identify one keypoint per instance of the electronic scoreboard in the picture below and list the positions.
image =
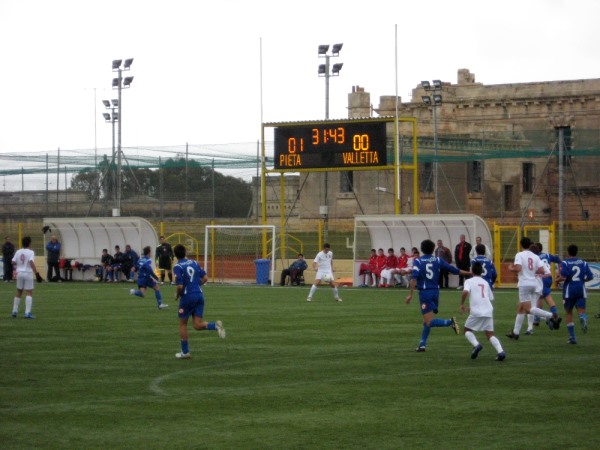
(330, 145)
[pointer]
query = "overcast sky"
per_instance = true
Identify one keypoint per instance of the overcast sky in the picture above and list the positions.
(197, 64)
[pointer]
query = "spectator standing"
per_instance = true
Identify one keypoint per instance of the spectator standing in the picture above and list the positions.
(53, 259)
(295, 271)
(8, 251)
(473, 252)
(445, 254)
(164, 260)
(462, 259)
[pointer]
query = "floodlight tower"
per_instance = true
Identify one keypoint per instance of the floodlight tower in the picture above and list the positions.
(112, 118)
(119, 84)
(326, 71)
(435, 100)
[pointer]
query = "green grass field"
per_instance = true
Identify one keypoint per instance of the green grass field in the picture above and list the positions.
(96, 370)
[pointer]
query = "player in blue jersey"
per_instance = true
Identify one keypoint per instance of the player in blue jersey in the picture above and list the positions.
(425, 277)
(189, 278)
(147, 278)
(488, 270)
(547, 260)
(575, 272)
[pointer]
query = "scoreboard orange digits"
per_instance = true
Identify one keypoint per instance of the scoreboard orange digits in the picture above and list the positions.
(331, 145)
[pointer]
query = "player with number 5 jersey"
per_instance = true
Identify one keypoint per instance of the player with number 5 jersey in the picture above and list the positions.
(189, 278)
(425, 277)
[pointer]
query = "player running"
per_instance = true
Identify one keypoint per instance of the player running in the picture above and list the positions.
(189, 278)
(575, 272)
(425, 277)
(481, 311)
(147, 278)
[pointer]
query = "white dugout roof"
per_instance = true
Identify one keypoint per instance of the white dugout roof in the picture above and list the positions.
(83, 239)
(385, 231)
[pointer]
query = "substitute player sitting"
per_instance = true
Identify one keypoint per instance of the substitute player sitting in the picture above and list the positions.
(189, 278)
(147, 278)
(481, 311)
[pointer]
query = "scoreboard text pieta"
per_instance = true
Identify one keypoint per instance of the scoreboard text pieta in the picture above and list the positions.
(330, 145)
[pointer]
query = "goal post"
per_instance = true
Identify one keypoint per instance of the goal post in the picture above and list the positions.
(240, 254)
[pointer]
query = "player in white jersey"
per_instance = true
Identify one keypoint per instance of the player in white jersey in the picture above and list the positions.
(481, 312)
(25, 267)
(323, 265)
(529, 266)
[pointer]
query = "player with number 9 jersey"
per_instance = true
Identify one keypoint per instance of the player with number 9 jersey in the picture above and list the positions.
(190, 275)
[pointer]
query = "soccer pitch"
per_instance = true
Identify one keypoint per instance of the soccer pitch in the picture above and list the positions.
(96, 370)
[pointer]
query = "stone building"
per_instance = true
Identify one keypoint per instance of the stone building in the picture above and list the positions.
(496, 148)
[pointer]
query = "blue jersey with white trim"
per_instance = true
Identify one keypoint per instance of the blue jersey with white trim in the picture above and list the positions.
(426, 271)
(144, 270)
(189, 274)
(488, 273)
(576, 272)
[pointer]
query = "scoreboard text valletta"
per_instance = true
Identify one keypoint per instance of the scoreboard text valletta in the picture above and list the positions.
(330, 145)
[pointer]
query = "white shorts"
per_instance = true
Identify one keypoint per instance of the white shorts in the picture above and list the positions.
(480, 323)
(25, 281)
(321, 273)
(528, 294)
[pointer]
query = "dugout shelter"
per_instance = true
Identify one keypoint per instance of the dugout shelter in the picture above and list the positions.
(395, 231)
(83, 238)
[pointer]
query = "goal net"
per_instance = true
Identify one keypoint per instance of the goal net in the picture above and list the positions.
(241, 254)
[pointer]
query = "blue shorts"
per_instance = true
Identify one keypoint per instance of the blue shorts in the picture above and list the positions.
(429, 300)
(570, 303)
(147, 283)
(191, 306)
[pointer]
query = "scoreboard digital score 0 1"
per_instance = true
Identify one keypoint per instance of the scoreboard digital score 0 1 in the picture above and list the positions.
(330, 145)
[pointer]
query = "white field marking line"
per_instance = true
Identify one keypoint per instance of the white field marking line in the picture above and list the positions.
(154, 385)
(161, 395)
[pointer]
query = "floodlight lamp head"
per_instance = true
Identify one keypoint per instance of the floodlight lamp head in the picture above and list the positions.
(128, 63)
(106, 103)
(115, 102)
(106, 116)
(437, 99)
(426, 99)
(336, 68)
(336, 49)
(426, 84)
(115, 82)
(437, 84)
(127, 81)
(323, 49)
(116, 64)
(322, 69)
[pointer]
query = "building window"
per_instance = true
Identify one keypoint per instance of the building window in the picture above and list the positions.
(567, 144)
(346, 182)
(426, 180)
(508, 197)
(528, 177)
(474, 176)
